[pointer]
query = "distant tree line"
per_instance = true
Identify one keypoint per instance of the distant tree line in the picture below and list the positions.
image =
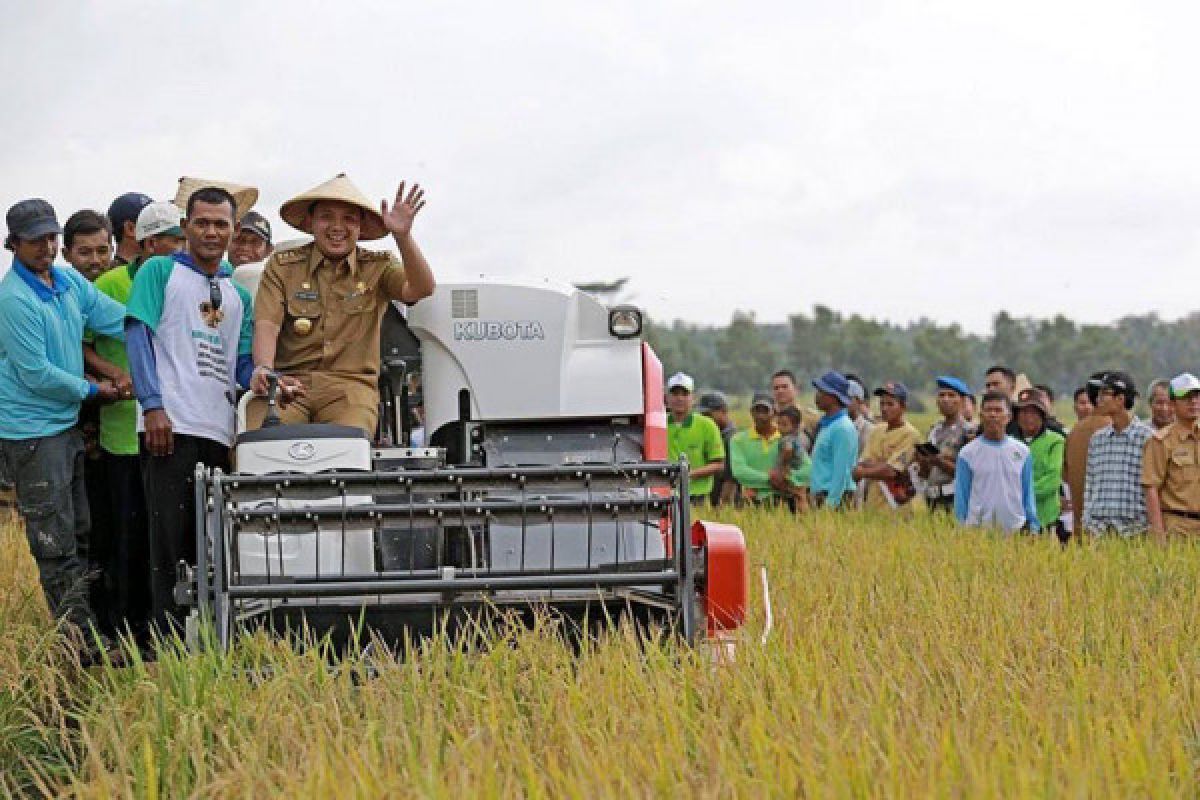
(741, 356)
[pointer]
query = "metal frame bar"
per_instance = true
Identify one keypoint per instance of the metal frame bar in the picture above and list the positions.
(454, 585)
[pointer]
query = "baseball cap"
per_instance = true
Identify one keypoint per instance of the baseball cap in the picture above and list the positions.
(1121, 382)
(855, 390)
(834, 383)
(1184, 384)
(681, 380)
(762, 399)
(31, 219)
(1032, 398)
(712, 401)
(953, 384)
(126, 209)
(157, 219)
(256, 223)
(894, 389)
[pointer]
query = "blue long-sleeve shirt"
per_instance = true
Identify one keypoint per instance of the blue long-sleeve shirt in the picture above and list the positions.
(834, 455)
(993, 485)
(41, 348)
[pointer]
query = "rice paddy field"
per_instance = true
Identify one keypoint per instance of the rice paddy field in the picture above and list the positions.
(908, 659)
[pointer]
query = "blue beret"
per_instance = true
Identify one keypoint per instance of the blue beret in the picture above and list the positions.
(953, 384)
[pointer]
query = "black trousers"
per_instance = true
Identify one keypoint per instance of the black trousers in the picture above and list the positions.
(126, 569)
(99, 552)
(942, 504)
(48, 476)
(169, 483)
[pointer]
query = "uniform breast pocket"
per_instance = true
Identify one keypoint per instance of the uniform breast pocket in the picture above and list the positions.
(357, 302)
(304, 306)
(1185, 461)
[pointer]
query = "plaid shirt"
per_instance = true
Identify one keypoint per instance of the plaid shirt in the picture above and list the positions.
(1113, 497)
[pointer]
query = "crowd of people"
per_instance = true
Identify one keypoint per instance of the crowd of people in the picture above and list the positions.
(1006, 462)
(120, 372)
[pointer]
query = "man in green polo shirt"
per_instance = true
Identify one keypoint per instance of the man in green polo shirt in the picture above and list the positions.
(693, 435)
(158, 233)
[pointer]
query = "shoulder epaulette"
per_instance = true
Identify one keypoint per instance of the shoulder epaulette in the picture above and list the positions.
(368, 256)
(294, 255)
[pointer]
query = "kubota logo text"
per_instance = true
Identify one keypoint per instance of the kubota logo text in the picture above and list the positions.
(482, 330)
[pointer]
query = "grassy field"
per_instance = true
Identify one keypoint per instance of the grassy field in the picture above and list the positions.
(908, 660)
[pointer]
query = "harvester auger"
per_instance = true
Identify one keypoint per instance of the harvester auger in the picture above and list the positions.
(545, 485)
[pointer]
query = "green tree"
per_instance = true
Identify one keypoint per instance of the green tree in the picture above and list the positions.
(746, 356)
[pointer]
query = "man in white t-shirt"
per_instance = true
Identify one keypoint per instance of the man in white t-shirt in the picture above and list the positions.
(188, 332)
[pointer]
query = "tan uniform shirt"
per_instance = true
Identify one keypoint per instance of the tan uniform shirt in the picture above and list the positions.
(1075, 460)
(329, 313)
(1171, 464)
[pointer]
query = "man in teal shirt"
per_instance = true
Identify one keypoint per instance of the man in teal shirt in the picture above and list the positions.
(43, 312)
(835, 450)
(693, 435)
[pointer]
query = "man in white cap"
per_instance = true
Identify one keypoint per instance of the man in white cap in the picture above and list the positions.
(693, 435)
(319, 306)
(159, 232)
(1171, 466)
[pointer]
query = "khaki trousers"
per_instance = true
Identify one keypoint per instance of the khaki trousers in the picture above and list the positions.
(332, 399)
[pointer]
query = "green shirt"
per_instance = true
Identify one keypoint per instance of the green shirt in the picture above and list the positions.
(118, 421)
(1046, 451)
(753, 458)
(699, 439)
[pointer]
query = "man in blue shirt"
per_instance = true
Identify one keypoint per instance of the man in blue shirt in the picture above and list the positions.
(835, 450)
(43, 312)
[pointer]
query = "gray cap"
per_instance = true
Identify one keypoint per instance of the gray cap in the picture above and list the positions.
(256, 223)
(762, 399)
(32, 219)
(712, 401)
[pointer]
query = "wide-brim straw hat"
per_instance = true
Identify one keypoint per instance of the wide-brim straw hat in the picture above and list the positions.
(297, 211)
(244, 197)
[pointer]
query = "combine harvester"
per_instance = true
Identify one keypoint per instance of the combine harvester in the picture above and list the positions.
(546, 485)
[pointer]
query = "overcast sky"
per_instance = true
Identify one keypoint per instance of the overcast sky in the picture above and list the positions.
(941, 159)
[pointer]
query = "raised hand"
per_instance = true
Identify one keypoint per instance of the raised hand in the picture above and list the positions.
(399, 218)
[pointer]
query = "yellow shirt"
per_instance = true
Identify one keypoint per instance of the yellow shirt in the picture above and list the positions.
(894, 446)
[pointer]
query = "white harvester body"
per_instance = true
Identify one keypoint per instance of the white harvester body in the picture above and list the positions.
(523, 351)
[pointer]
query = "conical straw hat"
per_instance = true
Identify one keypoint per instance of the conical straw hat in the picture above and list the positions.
(295, 212)
(244, 197)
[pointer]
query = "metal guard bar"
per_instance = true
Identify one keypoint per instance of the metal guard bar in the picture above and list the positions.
(375, 587)
(656, 469)
(470, 507)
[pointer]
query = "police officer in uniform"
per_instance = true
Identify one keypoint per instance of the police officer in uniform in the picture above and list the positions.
(319, 307)
(1171, 466)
